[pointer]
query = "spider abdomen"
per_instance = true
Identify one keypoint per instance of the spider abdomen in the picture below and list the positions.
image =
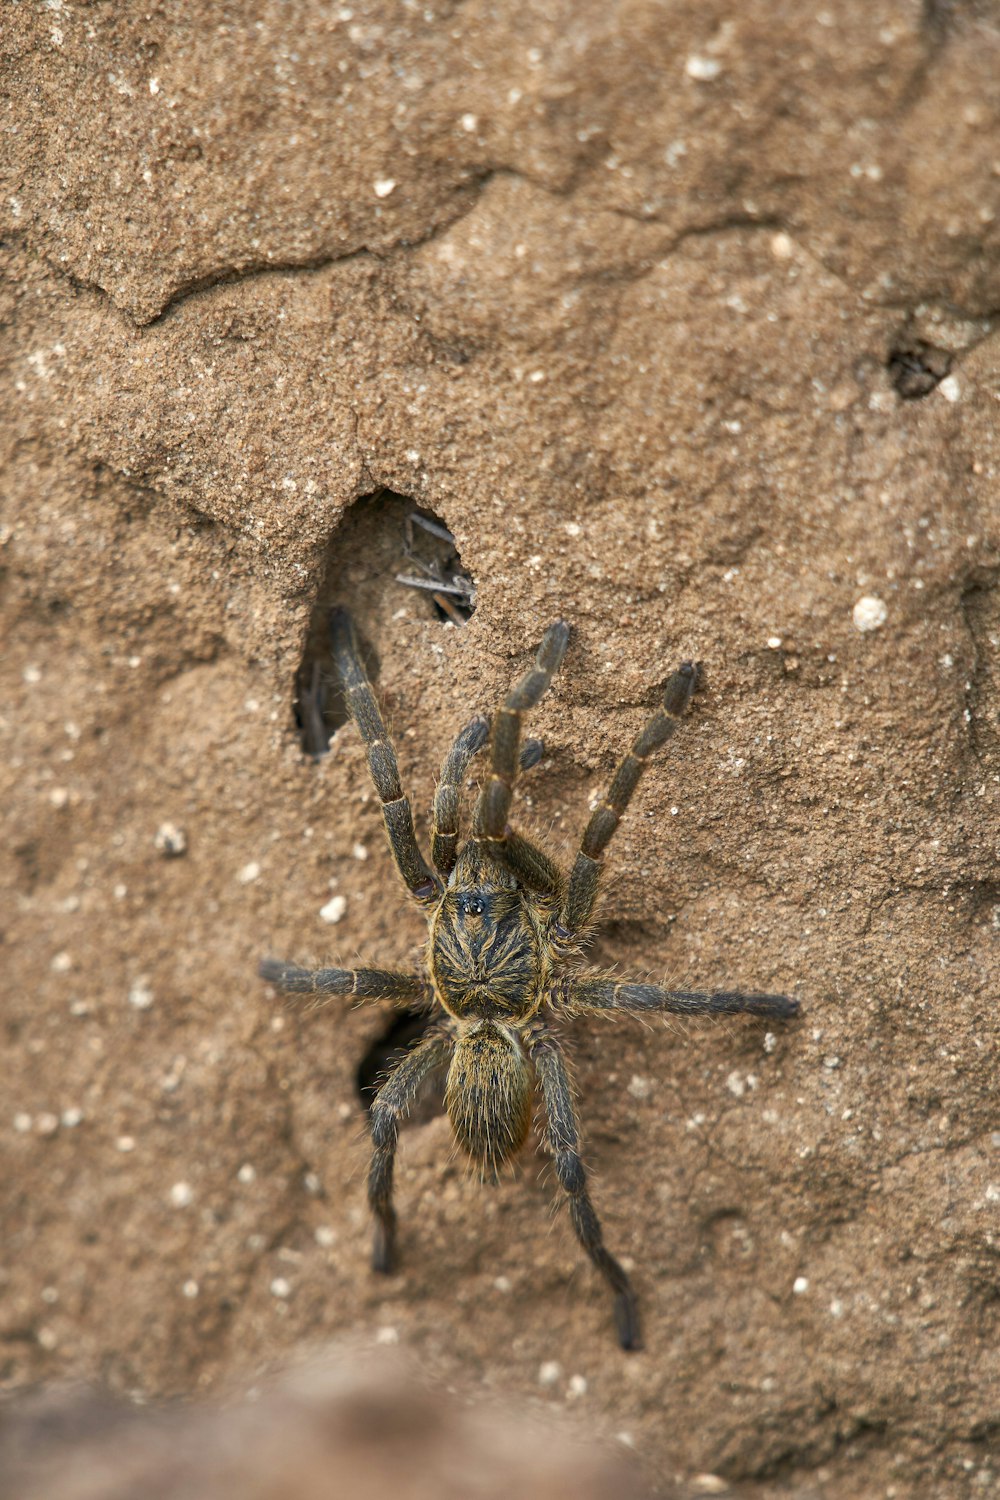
(489, 1095)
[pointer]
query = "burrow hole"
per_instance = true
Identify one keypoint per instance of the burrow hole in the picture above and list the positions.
(403, 1031)
(916, 367)
(386, 550)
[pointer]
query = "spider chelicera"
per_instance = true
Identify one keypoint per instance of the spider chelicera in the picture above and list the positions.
(507, 933)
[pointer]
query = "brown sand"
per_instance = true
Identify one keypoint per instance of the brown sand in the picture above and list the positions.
(626, 296)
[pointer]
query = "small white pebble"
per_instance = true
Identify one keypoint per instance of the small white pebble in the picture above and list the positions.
(312, 1183)
(360, 851)
(470, 123)
(181, 1194)
(572, 528)
(831, 1063)
(280, 1287)
(709, 1484)
(249, 873)
(59, 796)
(125, 1143)
(703, 69)
(383, 186)
(333, 910)
(836, 1308)
(387, 1335)
(140, 996)
(32, 674)
(46, 1123)
(47, 1338)
(549, 1372)
(503, 1283)
(774, 642)
(170, 841)
(71, 1118)
(22, 1122)
(800, 1285)
(190, 1288)
(950, 388)
(870, 612)
(49, 1295)
(736, 1084)
(325, 1236)
(576, 1387)
(61, 963)
(625, 1438)
(247, 1173)
(640, 1088)
(781, 246)
(770, 1041)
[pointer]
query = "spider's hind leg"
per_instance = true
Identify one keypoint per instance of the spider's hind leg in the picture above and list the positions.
(392, 1102)
(563, 1140)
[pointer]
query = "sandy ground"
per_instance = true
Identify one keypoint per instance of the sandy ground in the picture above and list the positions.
(683, 319)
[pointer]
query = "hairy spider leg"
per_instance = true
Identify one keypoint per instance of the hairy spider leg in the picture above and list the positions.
(392, 1102)
(356, 984)
(382, 764)
(527, 863)
(444, 844)
(585, 874)
(563, 1139)
(605, 994)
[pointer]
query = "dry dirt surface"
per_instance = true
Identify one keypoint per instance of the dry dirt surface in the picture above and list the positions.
(685, 320)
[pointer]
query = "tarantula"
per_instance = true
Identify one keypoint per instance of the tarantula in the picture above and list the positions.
(507, 929)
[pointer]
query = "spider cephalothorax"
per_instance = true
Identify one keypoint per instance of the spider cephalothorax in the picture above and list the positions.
(506, 931)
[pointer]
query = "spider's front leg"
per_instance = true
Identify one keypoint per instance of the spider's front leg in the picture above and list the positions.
(582, 890)
(563, 1140)
(382, 763)
(529, 864)
(392, 1102)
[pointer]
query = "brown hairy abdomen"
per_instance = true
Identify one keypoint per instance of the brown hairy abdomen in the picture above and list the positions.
(489, 1096)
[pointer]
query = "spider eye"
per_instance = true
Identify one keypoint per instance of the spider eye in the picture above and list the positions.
(472, 906)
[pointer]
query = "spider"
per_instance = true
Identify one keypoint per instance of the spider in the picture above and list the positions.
(507, 933)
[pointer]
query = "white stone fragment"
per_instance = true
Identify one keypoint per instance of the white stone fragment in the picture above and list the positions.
(870, 613)
(140, 996)
(170, 841)
(383, 186)
(246, 1174)
(549, 1372)
(333, 910)
(950, 388)
(800, 1285)
(249, 873)
(576, 1387)
(281, 1288)
(190, 1288)
(387, 1335)
(702, 69)
(181, 1195)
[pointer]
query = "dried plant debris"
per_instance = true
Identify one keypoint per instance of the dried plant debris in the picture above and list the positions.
(436, 566)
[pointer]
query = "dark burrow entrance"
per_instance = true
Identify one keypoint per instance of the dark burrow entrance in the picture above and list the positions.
(386, 549)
